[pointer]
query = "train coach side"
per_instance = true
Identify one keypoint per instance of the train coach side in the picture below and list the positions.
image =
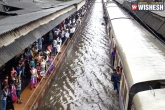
(140, 53)
(150, 100)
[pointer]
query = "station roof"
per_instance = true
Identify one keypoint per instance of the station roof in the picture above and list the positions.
(150, 100)
(12, 22)
(29, 6)
(142, 54)
(14, 25)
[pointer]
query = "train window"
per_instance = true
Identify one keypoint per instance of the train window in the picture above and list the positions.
(125, 94)
(117, 58)
(114, 43)
(112, 39)
(109, 29)
(120, 64)
(122, 86)
(123, 89)
(111, 35)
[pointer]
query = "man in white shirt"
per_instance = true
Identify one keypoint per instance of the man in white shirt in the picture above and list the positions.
(54, 47)
(58, 48)
(59, 40)
(72, 30)
(74, 21)
(66, 36)
(63, 36)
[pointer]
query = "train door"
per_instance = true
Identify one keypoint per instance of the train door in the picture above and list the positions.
(112, 47)
(111, 40)
(114, 56)
(124, 91)
(116, 59)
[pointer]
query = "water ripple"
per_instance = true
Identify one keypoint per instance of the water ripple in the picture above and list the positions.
(83, 82)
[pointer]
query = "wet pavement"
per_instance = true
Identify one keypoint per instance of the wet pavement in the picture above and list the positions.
(83, 80)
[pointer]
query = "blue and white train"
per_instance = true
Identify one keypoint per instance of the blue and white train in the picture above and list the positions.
(142, 57)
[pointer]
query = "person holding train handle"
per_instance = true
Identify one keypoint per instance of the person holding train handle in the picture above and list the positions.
(116, 77)
(113, 79)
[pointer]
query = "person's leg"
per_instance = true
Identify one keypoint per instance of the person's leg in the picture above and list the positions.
(66, 41)
(19, 100)
(17, 93)
(20, 74)
(55, 50)
(113, 61)
(19, 96)
(63, 40)
(4, 104)
(23, 71)
(31, 83)
(40, 47)
(71, 35)
(117, 89)
(35, 82)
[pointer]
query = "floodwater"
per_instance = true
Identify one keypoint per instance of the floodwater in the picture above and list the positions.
(83, 81)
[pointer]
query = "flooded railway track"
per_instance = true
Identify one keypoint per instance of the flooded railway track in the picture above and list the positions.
(83, 80)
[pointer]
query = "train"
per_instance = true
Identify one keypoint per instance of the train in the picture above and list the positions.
(142, 57)
(153, 20)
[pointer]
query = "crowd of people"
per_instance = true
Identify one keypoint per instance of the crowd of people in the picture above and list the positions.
(37, 62)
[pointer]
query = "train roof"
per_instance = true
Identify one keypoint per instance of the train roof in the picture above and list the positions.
(150, 100)
(142, 55)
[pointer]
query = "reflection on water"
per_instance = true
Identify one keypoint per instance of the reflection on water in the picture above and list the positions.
(83, 81)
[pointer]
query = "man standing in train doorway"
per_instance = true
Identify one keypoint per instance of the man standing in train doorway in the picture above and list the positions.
(113, 79)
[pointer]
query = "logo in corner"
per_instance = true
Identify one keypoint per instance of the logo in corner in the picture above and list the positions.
(134, 7)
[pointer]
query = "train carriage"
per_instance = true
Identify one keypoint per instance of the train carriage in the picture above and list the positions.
(138, 51)
(150, 100)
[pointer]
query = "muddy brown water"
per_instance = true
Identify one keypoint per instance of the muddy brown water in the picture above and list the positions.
(83, 80)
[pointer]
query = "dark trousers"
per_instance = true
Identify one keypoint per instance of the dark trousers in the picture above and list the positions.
(9, 103)
(66, 41)
(63, 39)
(54, 50)
(71, 35)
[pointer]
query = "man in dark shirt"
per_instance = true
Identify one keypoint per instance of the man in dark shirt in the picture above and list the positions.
(113, 79)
